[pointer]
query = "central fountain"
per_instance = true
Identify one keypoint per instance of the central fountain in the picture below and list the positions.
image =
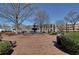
(34, 28)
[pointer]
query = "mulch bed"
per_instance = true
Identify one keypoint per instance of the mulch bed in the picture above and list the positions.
(8, 33)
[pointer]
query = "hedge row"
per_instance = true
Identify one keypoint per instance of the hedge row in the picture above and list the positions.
(68, 45)
(53, 33)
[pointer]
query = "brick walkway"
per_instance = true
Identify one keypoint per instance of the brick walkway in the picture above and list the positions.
(37, 44)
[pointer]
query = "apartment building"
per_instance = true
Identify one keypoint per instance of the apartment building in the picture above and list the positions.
(45, 28)
(69, 28)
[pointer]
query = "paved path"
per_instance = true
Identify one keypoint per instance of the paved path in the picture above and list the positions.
(35, 45)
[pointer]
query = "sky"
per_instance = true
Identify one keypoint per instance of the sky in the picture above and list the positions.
(56, 11)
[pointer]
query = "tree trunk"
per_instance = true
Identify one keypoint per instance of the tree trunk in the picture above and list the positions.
(54, 28)
(66, 28)
(17, 24)
(16, 29)
(73, 27)
(40, 28)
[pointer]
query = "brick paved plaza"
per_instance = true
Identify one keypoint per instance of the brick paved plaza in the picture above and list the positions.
(37, 44)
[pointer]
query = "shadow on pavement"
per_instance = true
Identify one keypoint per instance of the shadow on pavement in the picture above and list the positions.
(58, 46)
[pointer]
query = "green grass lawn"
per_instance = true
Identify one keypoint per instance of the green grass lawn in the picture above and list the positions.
(73, 35)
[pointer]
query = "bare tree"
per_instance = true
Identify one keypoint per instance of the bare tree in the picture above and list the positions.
(73, 18)
(60, 25)
(16, 13)
(41, 18)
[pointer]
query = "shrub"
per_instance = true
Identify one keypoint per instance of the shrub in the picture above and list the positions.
(53, 33)
(5, 47)
(69, 45)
